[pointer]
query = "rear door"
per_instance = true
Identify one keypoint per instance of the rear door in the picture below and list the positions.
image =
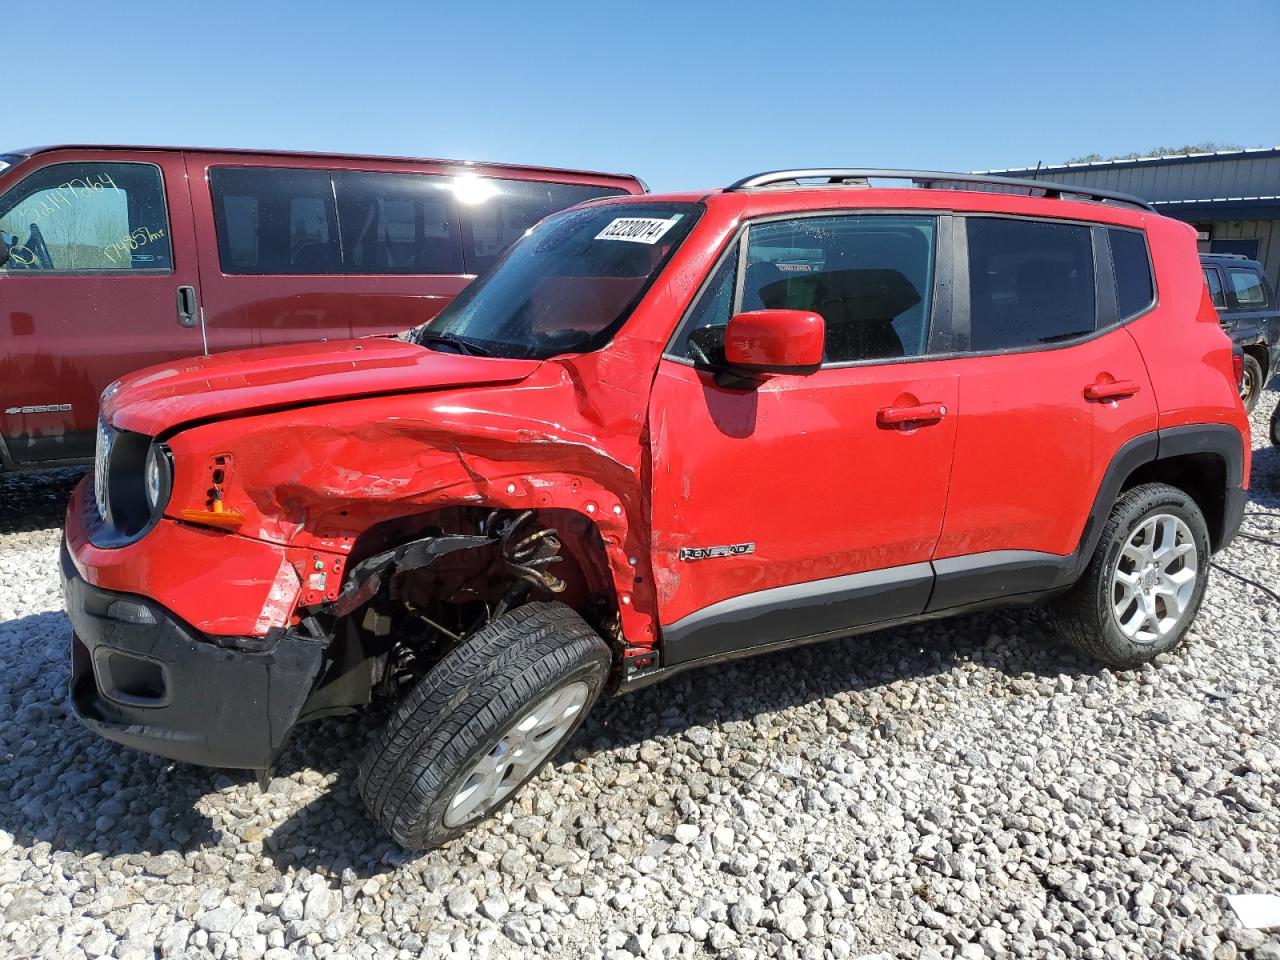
(805, 505)
(1052, 387)
(101, 280)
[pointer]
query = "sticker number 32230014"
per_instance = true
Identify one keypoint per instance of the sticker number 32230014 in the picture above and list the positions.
(638, 229)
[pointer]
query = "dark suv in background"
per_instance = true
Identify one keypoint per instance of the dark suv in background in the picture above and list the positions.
(1249, 313)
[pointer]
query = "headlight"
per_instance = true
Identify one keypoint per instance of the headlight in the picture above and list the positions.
(133, 479)
(157, 477)
(101, 462)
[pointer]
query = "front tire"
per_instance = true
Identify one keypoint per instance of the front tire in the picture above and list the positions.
(1143, 587)
(482, 723)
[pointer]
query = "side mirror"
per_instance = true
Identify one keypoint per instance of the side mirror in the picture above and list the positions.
(774, 341)
(4, 252)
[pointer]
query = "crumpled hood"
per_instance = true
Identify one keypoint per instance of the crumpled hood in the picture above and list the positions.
(168, 395)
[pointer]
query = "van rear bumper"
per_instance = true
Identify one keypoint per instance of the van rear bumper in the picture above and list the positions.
(142, 678)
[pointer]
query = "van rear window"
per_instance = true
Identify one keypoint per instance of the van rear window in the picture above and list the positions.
(288, 221)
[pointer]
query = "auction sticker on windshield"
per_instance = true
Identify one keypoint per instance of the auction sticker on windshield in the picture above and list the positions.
(638, 229)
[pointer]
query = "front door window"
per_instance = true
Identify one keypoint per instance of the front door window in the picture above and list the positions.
(73, 217)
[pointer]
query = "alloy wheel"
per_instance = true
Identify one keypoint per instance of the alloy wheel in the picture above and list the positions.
(521, 750)
(1154, 578)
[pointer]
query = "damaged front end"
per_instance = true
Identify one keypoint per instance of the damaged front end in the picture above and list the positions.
(144, 677)
(401, 609)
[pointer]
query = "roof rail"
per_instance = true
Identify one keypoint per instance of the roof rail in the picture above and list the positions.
(835, 175)
(1229, 256)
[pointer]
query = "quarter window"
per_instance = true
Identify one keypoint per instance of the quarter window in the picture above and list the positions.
(1247, 286)
(1214, 282)
(1134, 287)
(1030, 282)
(86, 216)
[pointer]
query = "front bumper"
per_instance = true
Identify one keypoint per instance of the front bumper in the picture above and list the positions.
(143, 678)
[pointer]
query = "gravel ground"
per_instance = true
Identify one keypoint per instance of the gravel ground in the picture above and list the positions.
(964, 788)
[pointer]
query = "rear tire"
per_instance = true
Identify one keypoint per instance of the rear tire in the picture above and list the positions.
(1143, 586)
(482, 723)
(1251, 383)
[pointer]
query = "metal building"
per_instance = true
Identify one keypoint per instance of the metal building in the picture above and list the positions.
(1231, 197)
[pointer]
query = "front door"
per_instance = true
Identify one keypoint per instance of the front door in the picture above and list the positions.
(100, 249)
(808, 504)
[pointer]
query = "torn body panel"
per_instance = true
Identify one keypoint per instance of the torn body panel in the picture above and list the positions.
(316, 480)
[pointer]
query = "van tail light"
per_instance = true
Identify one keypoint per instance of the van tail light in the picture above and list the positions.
(1237, 364)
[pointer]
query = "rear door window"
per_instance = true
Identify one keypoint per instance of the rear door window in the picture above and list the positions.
(496, 212)
(275, 221)
(72, 217)
(398, 223)
(1247, 287)
(1135, 289)
(279, 220)
(1214, 283)
(1031, 282)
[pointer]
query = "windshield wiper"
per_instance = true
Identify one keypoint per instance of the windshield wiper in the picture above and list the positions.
(469, 347)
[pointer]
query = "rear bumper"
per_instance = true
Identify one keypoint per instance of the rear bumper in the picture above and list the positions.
(143, 678)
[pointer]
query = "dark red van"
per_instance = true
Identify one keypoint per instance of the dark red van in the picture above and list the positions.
(116, 258)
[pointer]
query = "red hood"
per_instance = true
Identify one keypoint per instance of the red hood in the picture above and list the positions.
(159, 398)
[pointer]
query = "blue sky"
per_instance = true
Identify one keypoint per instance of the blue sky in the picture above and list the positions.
(684, 94)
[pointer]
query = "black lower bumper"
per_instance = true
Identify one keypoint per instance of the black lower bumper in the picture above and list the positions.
(142, 678)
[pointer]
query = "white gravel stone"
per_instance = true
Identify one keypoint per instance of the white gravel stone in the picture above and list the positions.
(959, 788)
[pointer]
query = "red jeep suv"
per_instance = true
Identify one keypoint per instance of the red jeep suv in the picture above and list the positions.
(660, 432)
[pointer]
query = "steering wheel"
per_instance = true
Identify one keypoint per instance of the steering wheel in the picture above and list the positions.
(36, 244)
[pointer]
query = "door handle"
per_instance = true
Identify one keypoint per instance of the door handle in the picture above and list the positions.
(916, 416)
(1115, 390)
(187, 306)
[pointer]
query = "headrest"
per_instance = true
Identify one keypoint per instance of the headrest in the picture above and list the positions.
(870, 294)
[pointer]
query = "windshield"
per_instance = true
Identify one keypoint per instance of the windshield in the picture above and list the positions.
(566, 286)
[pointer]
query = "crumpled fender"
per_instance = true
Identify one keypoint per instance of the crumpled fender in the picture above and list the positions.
(314, 478)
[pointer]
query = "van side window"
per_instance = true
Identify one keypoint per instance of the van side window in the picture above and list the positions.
(1134, 287)
(1030, 282)
(70, 217)
(1247, 286)
(496, 213)
(1214, 283)
(275, 221)
(398, 223)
